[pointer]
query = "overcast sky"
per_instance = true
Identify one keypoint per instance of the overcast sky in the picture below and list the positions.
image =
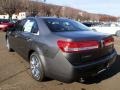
(111, 7)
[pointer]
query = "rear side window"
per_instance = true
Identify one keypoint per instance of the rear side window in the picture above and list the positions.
(31, 26)
(28, 26)
(61, 25)
(35, 28)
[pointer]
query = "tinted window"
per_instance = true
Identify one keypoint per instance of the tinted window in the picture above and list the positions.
(19, 25)
(35, 28)
(61, 25)
(90, 24)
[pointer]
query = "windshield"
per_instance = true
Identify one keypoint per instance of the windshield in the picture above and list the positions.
(61, 25)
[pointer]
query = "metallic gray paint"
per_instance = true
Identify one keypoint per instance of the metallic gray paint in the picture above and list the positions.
(59, 65)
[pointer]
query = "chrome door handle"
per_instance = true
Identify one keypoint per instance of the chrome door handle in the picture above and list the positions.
(16, 36)
(29, 39)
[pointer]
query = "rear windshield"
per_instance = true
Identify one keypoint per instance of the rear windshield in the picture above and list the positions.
(61, 25)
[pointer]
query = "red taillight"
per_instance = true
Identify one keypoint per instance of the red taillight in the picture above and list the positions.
(109, 41)
(75, 46)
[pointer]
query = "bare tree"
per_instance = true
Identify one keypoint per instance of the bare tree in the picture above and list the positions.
(1, 10)
(33, 7)
(48, 10)
(11, 6)
(56, 11)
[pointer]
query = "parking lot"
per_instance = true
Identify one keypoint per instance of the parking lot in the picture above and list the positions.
(15, 75)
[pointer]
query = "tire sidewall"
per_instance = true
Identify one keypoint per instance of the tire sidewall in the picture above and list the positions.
(41, 67)
(8, 45)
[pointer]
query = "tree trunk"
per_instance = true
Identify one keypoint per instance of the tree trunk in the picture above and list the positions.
(10, 17)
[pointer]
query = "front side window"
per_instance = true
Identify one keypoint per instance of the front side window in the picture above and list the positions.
(19, 25)
(61, 25)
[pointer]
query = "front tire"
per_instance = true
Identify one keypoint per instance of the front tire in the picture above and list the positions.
(36, 67)
(8, 45)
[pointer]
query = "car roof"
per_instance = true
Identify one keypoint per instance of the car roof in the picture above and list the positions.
(40, 17)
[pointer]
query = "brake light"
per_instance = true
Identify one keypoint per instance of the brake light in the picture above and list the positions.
(109, 41)
(75, 46)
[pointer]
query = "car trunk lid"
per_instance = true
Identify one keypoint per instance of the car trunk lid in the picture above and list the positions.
(86, 56)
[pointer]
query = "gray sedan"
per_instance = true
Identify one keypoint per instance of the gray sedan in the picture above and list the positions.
(61, 49)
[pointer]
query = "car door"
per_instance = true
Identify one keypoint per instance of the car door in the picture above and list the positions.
(25, 37)
(14, 33)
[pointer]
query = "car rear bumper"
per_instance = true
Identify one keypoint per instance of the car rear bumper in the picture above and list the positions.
(94, 67)
(65, 71)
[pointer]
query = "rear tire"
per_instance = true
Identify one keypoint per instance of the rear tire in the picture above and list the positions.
(36, 67)
(8, 45)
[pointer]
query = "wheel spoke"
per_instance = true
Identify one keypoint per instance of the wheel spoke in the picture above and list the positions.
(33, 71)
(37, 65)
(37, 74)
(32, 66)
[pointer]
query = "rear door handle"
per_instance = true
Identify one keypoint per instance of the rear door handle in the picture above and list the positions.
(16, 36)
(29, 39)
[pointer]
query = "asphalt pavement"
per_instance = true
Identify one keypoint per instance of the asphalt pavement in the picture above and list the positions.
(15, 74)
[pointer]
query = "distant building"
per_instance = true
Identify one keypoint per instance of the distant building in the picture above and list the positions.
(118, 19)
(4, 16)
(19, 16)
